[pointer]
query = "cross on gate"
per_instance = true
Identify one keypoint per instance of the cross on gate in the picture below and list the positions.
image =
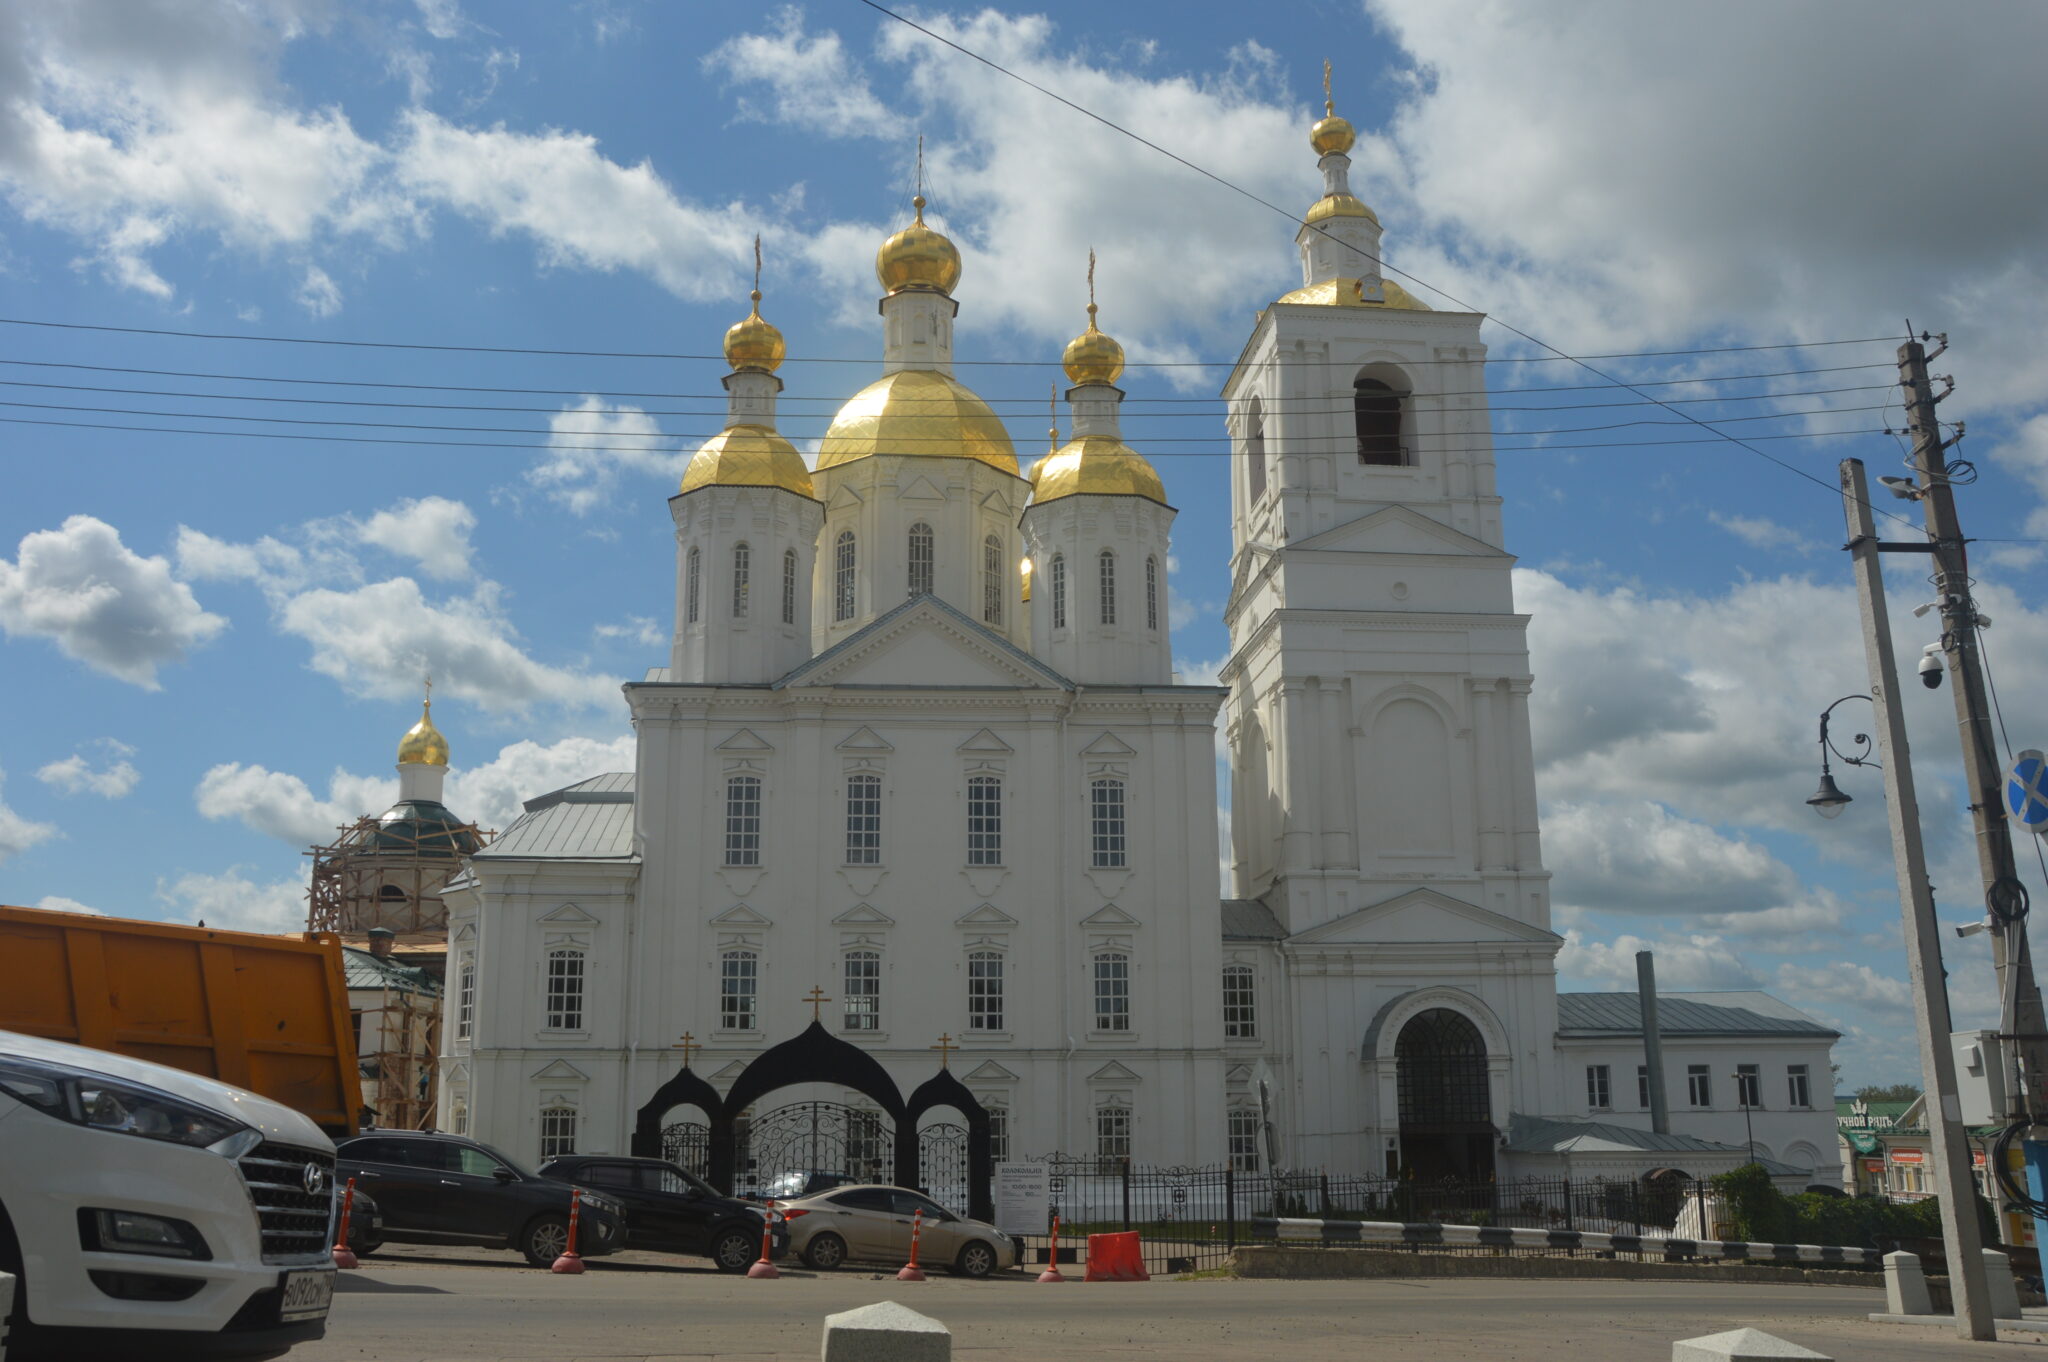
(945, 1047)
(816, 998)
(688, 1045)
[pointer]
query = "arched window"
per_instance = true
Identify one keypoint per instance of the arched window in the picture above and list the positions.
(1152, 594)
(742, 557)
(1240, 1004)
(1105, 563)
(1112, 1132)
(1106, 824)
(842, 577)
(1377, 410)
(1255, 449)
(920, 559)
(557, 1131)
(1244, 1139)
(985, 991)
(863, 820)
(739, 982)
(862, 990)
(565, 989)
(992, 581)
(1112, 991)
(984, 820)
(743, 820)
(1059, 591)
(692, 586)
(789, 586)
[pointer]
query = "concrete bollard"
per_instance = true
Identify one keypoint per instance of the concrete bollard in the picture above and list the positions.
(1905, 1286)
(2005, 1294)
(886, 1332)
(1743, 1345)
(6, 1305)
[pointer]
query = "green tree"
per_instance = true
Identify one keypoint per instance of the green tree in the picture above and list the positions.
(1888, 1092)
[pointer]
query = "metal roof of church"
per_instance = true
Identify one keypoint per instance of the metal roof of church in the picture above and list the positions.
(363, 969)
(591, 820)
(1555, 1135)
(1741, 1013)
(1250, 920)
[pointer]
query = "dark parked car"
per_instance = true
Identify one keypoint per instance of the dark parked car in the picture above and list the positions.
(448, 1189)
(365, 1219)
(671, 1211)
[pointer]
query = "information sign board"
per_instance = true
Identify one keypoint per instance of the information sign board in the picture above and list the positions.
(1023, 1198)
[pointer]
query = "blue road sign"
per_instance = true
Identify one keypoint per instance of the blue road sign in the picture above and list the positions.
(2026, 791)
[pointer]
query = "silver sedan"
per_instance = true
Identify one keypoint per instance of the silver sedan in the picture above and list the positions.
(872, 1224)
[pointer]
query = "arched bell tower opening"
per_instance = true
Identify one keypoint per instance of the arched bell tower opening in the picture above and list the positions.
(1447, 1129)
(1381, 419)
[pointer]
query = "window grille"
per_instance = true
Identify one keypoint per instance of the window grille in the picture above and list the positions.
(921, 559)
(741, 560)
(743, 820)
(842, 577)
(1244, 1139)
(465, 999)
(692, 585)
(1106, 566)
(985, 991)
(984, 820)
(1059, 591)
(1152, 594)
(1112, 1132)
(565, 990)
(1240, 1014)
(1112, 991)
(992, 581)
(1597, 1087)
(1106, 825)
(1440, 1073)
(557, 1132)
(863, 820)
(738, 984)
(789, 586)
(863, 991)
(998, 1132)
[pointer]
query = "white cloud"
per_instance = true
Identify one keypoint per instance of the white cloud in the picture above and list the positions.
(283, 806)
(1699, 961)
(490, 795)
(231, 901)
(1639, 857)
(1843, 983)
(102, 604)
(591, 443)
(810, 79)
(441, 18)
(57, 903)
(77, 774)
(318, 293)
(18, 834)
(432, 531)
(1760, 533)
(639, 629)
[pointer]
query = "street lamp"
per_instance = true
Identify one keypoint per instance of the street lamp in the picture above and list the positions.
(1830, 799)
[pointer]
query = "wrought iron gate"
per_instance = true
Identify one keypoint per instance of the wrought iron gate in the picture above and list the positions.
(687, 1145)
(780, 1150)
(942, 1165)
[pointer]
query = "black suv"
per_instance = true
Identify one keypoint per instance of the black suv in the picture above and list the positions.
(669, 1210)
(446, 1189)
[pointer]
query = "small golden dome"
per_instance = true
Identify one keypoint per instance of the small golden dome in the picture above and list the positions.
(918, 258)
(1092, 357)
(917, 411)
(748, 456)
(1350, 293)
(1096, 464)
(752, 343)
(1331, 135)
(423, 744)
(1339, 206)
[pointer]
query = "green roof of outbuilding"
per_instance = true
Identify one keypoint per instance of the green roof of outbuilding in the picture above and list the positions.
(361, 969)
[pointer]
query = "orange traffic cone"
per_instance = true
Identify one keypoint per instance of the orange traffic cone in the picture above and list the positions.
(1052, 1268)
(571, 1263)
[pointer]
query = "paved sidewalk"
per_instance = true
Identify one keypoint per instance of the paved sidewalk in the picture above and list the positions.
(448, 1305)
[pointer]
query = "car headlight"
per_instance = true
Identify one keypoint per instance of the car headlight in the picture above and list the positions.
(97, 1102)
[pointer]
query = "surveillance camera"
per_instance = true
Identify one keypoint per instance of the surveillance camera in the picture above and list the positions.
(1931, 666)
(1973, 928)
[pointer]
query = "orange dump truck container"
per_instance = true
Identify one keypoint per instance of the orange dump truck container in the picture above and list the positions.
(266, 1013)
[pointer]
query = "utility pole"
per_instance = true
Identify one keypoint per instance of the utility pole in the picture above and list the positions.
(1960, 1232)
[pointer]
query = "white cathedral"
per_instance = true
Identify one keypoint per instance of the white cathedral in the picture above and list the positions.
(918, 766)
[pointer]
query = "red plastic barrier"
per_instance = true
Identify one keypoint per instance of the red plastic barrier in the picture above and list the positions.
(1116, 1258)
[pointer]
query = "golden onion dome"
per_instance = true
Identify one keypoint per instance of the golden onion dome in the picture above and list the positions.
(917, 411)
(748, 456)
(1332, 135)
(918, 258)
(1339, 206)
(1092, 357)
(752, 343)
(1100, 464)
(423, 744)
(1351, 293)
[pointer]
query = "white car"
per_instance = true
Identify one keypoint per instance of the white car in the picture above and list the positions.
(872, 1224)
(151, 1213)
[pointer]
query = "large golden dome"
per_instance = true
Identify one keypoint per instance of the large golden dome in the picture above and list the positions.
(917, 411)
(1349, 293)
(748, 456)
(1098, 464)
(423, 744)
(1332, 135)
(1092, 357)
(918, 258)
(753, 343)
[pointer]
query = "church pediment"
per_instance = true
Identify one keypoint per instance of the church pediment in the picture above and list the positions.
(1110, 916)
(925, 643)
(844, 497)
(1420, 916)
(1109, 745)
(568, 913)
(988, 915)
(865, 915)
(864, 739)
(560, 1071)
(922, 489)
(739, 915)
(1112, 1072)
(985, 741)
(746, 740)
(988, 1071)
(1398, 529)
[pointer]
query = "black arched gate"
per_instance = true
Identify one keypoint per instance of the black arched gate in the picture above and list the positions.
(1447, 1129)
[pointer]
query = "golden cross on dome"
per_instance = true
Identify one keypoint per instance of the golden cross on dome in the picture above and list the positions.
(816, 998)
(1091, 288)
(1329, 106)
(430, 687)
(1052, 407)
(757, 271)
(688, 1045)
(945, 1047)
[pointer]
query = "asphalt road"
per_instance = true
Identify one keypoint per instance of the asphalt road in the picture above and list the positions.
(433, 1305)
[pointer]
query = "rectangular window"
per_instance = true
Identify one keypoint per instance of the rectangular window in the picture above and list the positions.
(1643, 1086)
(458, 1119)
(692, 585)
(993, 580)
(998, 1132)
(1798, 1093)
(1106, 565)
(1151, 593)
(985, 991)
(742, 575)
(1699, 1085)
(1244, 1139)
(1240, 1011)
(984, 820)
(1598, 1095)
(1113, 1132)
(557, 1132)
(1112, 992)
(1106, 825)
(738, 982)
(565, 990)
(465, 999)
(863, 991)
(743, 820)
(1059, 592)
(863, 820)
(789, 587)
(1749, 1086)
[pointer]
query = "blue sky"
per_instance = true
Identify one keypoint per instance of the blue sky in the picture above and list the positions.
(210, 642)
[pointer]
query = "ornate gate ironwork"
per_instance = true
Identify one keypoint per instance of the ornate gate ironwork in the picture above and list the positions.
(687, 1145)
(942, 1165)
(1446, 1118)
(778, 1150)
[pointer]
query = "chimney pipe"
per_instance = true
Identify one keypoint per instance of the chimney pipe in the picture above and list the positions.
(380, 942)
(1653, 1042)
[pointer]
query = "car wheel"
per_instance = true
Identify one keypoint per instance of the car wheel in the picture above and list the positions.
(976, 1260)
(733, 1249)
(545, 1238)
(825, 1252)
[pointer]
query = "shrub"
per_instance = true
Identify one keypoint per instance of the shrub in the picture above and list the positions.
(1763, 1214)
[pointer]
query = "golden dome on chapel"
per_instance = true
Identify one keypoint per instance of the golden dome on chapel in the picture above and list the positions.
(1351, 293)
(917, 411)
(1099, 464)
(423, 744)
(1332, 134)
(753, 343)
(1092, 357)
(748, 456)
(918, 258)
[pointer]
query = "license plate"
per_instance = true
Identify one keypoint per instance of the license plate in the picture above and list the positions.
(307, 1295)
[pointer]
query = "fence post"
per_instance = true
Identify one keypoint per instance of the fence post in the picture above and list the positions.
(1230, 1205)
(1568, 1223)
(1127, 1190)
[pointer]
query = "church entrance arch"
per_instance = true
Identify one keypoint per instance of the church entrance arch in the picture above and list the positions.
(1447, 1130)
(778, 1152)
